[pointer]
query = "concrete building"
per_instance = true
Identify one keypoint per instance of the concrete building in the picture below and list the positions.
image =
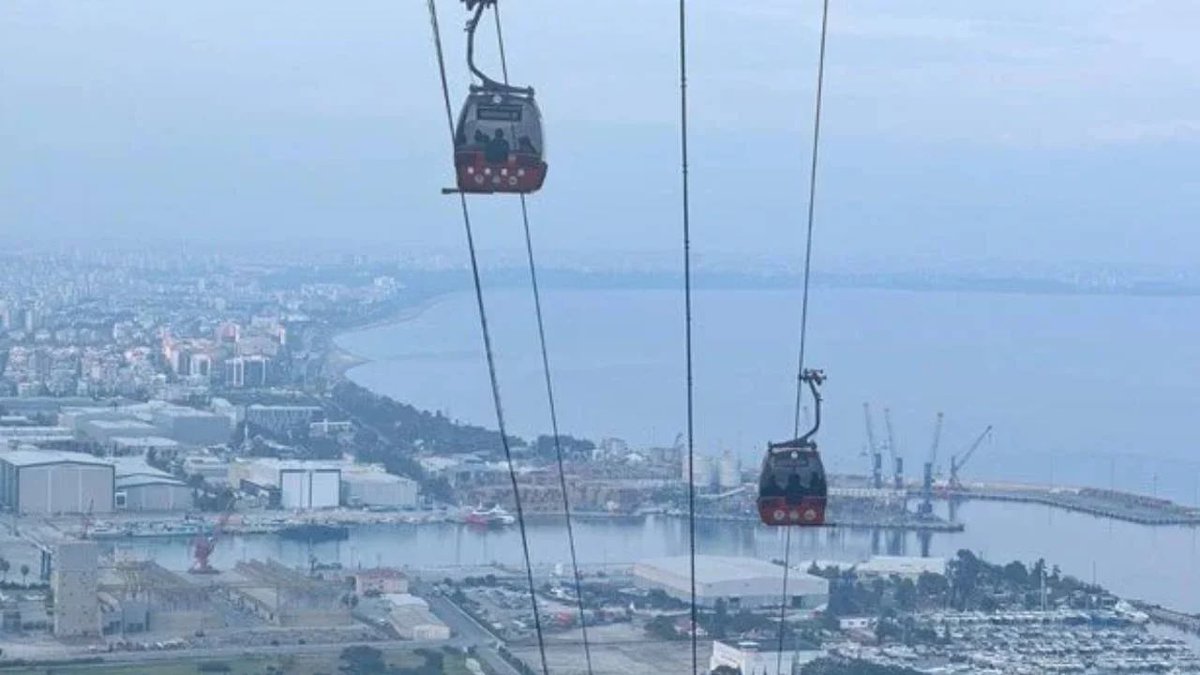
(141, 487)
(160, 600)
(11, 437)
(753, 658)
(74, 417)
(299, 484)
(212, 469)
(192, 426)
(286, 597)
(382, 580)
(740, 582)
(247, 371)
(908, 567)
(74, 581)
(416, 622)
(369, 486)
(282, 419)
(104, 430)
(125, 445)
(36, 481)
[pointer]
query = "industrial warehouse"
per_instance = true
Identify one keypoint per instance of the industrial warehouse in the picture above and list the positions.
(49, 482)
(52, 482)
(740, 582)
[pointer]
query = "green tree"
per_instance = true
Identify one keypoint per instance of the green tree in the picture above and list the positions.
(24, 574)
(906, 595)
(934, 586)
(362, 660)
(720, 618)
(5, 566)
(1016, 574)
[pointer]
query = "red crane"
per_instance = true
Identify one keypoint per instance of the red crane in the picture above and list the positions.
(203, 545)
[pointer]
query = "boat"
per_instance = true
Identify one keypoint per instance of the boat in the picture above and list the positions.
(493, 517)
(315, 532)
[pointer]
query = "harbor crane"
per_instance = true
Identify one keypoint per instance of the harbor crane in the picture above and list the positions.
(204, 543)
(873, 449)
(958, 461)
(897, 460)
(925, 510)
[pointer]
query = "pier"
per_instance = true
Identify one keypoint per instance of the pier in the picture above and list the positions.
(1113, 504)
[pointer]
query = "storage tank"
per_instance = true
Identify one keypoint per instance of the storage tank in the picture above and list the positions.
(729, 472)
(705, 470)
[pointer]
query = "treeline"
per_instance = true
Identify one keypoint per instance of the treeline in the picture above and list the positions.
(412, 430)
(394, 434)
(970, 583)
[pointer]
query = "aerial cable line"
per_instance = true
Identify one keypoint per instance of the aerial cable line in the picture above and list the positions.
(808, 245)
(487, 346)
(537, 304)
(687, 304)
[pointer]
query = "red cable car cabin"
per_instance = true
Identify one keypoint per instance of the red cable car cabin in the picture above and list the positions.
(498, 144)
(792, 490)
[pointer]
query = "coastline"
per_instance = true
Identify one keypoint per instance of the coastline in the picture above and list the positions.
(339, 361)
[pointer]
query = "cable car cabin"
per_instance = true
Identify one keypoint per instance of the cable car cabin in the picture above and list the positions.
(792, 489)
(498, 145)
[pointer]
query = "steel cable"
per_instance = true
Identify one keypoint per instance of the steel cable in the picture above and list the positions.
(487, 347)
(687, 302)
(812, 193)
(537, 305)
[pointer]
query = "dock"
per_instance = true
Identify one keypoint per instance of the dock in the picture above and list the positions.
(1124, 506)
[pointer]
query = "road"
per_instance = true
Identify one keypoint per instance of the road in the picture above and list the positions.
(233, 653)
(470, 632)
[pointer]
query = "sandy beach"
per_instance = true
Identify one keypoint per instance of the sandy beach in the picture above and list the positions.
(339, 360)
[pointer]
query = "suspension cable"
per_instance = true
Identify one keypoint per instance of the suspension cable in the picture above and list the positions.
(812, 194)
(487, 347)
(787, 554)
(812, 199)
(687, 304)
(537, 305)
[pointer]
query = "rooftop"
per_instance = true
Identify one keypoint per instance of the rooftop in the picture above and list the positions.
(38, 457)
(715, 568)
(181, 411)
(134, 466)
(123, 482)
(144, 442)
(373, 476)
(121, 424)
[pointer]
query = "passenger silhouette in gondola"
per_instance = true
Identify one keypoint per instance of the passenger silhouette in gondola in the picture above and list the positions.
(496, 150)
(772, 488)
(525, 145)
(794, 491)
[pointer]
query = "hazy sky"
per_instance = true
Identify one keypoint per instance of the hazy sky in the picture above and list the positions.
(1015, 129)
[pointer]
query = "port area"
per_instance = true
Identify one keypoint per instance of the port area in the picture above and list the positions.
(1114, 504)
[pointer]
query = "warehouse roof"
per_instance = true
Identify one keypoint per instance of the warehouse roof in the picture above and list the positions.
(143, 442)
(714, 568)
(183, 411)
(135, 466)
(124, 482)
(120, 424)
(354, 476)
(39, 457)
